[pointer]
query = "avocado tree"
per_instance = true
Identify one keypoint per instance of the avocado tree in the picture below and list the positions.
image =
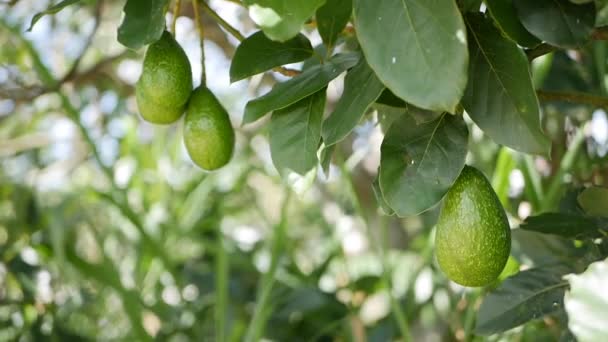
(480, 213)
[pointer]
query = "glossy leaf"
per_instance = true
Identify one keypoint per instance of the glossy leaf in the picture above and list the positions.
(505, 16)
(528, 295)
(281, 20)
(419, 163)
(500, 97)
(299, 87)
(332, 18)
(51, 10)
(417, 48)
(295, 133)
(594, 201)
(587, 304)
(144, 22)
(571, 226)
(257, 54)
(361, 89)
(558, 22)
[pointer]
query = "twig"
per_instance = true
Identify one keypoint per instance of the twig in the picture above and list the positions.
(87, 45)
(599, 33)
(176, 10)
(594, 100)
(223, 23)
(201, 37)
(239, 36)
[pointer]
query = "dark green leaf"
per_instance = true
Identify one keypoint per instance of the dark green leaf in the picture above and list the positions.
(390, 99)
(326, 155)
(299, 87)
(528, 295)
(470, 5)
(143, 24)
(505, 16)
(380, 199)
(295, 133)
(332, 18)
(539, 250)
(422, 115)
(594, 201)
(417, 48)
(51, 10)
(558, 22)
(500, 97)
(419, 163)
(257, 54)
(279, 19)
(361, 89)
(572, 226)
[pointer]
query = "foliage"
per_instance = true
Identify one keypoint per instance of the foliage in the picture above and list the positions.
(353, 119)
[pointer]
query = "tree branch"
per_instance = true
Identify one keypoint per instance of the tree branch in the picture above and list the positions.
(599, 33)
(594, 100)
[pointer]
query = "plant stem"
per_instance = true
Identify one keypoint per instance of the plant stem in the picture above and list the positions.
(469, 318)
(176, 11)
(379, 249)
(221, 288)
(258, 321)
(201, 36)
(594, 100)
(566, 165)
(534, 186)
(223, 23)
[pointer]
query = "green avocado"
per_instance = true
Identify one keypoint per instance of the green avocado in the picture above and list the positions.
(165, 84)
(473, 238)
(208, 133)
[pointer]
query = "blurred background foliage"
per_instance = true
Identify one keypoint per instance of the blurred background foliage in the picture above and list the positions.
(109, 232)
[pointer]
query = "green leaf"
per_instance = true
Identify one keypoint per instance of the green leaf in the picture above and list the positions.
(326, 154)
(586, 303)
(282, 20)
(308, 82)
(505, 16)
(558, 22)
(594, 201)
(419, 163)
(572, 226)
(143, 24)
(257, 54)
(390, 99)
(379, 198)
(528, 295)
(420, 115)
(500, 97)
(539, 250)
(51, 10)
(470, 5)
(417, 48)
(295, 134)
(361, 89)
(332, 18)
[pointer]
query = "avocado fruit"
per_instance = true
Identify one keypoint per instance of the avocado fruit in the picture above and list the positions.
(208, 132)
(473, 238)
(165, 84)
